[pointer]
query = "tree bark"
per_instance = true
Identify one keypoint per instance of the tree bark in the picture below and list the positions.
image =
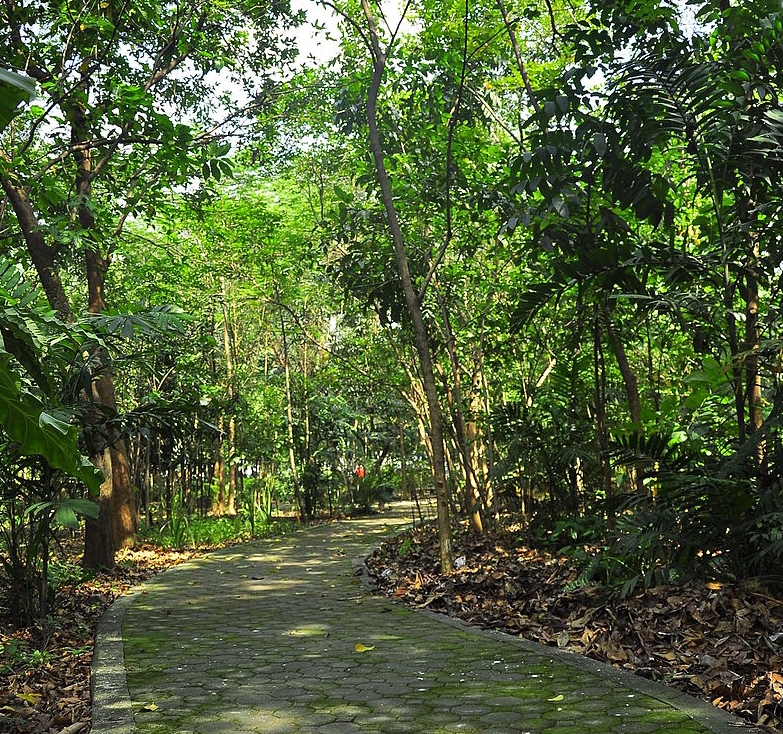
(518, 54)
(421, 335)
(229, 350)
(630, 380)
(289, 414)
(752, 343)
(116, 523)
(117, 518)
(42, 255)
(602, 433)
(475, 501)
(631, 383)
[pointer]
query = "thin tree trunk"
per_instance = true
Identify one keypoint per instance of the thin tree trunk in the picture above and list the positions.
(736, 371)
(518, 55)
(630, 380)
(631, 383)
(289, 414)
(475, 502)
(411, 299)
(229, 351)
(218, 501)
(602, 434)
(752, 340)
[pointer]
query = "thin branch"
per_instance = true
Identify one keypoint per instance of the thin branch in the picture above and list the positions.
(518, 53)
(352, 22)
(449, 155)
(316, 343)
(490, 110)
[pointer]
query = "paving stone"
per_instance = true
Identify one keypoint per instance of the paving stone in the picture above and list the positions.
(221, 652)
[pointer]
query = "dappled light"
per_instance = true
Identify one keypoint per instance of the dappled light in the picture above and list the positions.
(266, 267)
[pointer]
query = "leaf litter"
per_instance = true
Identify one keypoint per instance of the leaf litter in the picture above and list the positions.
(45, 670)
(719, 642)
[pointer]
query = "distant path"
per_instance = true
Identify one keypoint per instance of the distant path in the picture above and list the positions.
(262, 638)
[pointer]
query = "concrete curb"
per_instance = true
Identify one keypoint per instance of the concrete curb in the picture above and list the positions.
(111, 710)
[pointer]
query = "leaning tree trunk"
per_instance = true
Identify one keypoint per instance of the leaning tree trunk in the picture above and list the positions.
(421, 335)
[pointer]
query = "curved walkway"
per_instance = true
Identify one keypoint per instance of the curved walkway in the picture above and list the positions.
(281, 636)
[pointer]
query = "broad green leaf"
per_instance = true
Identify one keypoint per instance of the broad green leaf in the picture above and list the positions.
(65, 517)
(14, 89)
(39, 432)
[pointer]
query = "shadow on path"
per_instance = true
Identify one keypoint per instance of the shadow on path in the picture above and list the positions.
(263, 638)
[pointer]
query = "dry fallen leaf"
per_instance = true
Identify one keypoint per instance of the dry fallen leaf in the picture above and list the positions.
(359, 647)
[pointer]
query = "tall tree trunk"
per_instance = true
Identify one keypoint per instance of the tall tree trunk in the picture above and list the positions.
(476, 441)
(289, 414)
(630, 380)
(631, 383)
(229, 350)
(736, 370)
(602, 433)
(421, 334)
(117, 521)
(218, 481)
(752, 341)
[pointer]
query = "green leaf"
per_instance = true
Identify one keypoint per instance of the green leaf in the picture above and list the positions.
(84, 507)
(68, 511)
(14, 89)
(65, 517)
(38, 432)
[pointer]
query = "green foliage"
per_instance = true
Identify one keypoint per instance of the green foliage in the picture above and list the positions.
(585, 256)
(211, 532)
(17, 654)
(40, 445)
(14, 89)
(34, 506)
(28, 335)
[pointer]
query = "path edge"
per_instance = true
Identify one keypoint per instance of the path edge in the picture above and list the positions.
(112, 712)
(718, 720)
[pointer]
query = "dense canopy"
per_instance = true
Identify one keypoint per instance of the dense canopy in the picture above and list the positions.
(522, 256)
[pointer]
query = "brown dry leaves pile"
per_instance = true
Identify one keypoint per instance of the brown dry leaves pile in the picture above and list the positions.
(720, 642)
(45, 671)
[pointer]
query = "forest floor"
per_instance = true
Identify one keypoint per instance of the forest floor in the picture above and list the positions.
(720, 642)
(45, 670)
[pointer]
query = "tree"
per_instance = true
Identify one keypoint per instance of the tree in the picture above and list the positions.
(653, 200)
(109, 78)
